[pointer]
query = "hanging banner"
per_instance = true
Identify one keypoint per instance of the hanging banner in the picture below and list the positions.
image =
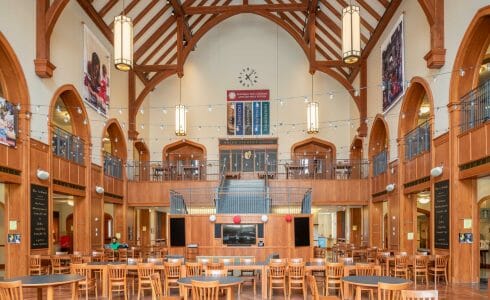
(265, 118)
(239, 118)
(230, 124)
(257, 116)
(247, 95)
(248, 118)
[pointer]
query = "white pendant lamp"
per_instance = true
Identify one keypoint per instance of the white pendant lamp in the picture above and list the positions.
(312, 113)
(351, 34)
(123, 42)
(180, 115)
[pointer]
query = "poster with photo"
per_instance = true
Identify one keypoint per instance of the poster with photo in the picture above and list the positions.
(393, 66)
(248, 112)
(8, 123)
(96, 73)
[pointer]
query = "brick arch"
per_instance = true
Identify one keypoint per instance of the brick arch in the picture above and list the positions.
(379, 136)
(410, 105)
(470, 53)
(73, 101)
(113, 128)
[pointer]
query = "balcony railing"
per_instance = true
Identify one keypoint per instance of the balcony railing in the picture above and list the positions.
(112, 166)
(211, 170)
(380, 163)
(475, 107)
(417, 141)
(67, 146)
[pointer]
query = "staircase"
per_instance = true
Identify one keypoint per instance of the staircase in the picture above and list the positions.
(242, 196)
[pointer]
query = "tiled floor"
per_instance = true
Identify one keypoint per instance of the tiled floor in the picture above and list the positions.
(455, 291)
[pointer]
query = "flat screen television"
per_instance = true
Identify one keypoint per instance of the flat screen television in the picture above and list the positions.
(243, 234)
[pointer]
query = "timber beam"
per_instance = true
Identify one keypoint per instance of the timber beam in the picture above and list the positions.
(248, 8)
(434, 11)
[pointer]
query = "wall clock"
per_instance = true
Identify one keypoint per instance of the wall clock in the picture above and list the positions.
(248, 77)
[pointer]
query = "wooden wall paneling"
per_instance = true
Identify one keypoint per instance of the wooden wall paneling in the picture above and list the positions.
(441, 155)
(12, 156)
(3, 155)
(97, 208)
(355, 226)
(464, 141)
(394, 217)
(144, 227)
(130, 237)
(376, 225)
(120, 221)
(341, 224)
(39, 159)
(478, 143)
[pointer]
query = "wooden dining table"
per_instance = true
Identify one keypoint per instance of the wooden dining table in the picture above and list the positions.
(225, 282)
(367, 281)
(49, 282)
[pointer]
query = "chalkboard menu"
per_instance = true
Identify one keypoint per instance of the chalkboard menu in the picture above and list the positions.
(39, 217)
(441, 216)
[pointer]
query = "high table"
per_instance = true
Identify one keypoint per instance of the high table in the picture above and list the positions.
(50, 282)
(368, 281)
(225, 282)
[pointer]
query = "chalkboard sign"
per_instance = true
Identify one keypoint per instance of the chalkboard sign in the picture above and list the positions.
(39, 217)
(441, 216)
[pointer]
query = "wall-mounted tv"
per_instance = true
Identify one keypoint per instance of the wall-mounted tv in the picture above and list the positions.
(243, 234)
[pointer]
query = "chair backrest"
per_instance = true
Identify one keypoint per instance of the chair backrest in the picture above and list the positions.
(401, 261)
(55, 262)
(334, 270)
(364, 269)
(123, 253)
(78, 253)
(145, 270)
(80, 269)
(317, 261)
(215, 266)
(76, 259)
(421, 261)
(117, 272)
(35, 261)
(346, 260)
(193, 269)
(277, 269)
(441, 261)
(205, 290)
(296, 260)
(313, 287)
(296, 270)
(155, 260)
(172, 270)
(420, 295)
(156, 286)
(216, 273)
(134, 261)
(11, 290)
(176, 260)
(390, 291)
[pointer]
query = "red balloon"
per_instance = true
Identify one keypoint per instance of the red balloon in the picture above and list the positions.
(288, 218)
(237, 219)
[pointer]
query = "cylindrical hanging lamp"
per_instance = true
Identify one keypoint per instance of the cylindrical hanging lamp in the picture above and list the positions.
(351, 34)
(123, 42)
(312, 113)
(180, 115)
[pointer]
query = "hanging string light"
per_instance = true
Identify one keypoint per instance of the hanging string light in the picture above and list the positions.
(123, 42)
(180, 114)
(351, 34)
(312, 113)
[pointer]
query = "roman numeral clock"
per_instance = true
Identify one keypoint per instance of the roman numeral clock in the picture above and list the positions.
(248, 77)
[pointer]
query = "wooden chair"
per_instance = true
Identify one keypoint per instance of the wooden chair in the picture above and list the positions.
(109, 255)
(172, 274)
(208, 290)
(144, 281)
(248, 275)
(227, 261)
(371, 255)
(193, 269)
(319, 275)
(382, 259)
(420, 295)
(11, 290)
(363, 269)
(88, 283)
(122, 254)
(420, 268)
(117, 280)
(314, 289)
(296, 276)
(333, 277)
(214, 266)
(401, 266)
(132, 275)
(35, 266)
(439, 268)
(76, 259)
(57, 267)
(389, 291)
(277, 277)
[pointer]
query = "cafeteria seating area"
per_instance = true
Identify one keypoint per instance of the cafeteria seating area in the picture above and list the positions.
(237, 149)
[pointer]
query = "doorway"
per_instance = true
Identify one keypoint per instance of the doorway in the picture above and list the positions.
(484, 213)
(423, 221)
(62, 229)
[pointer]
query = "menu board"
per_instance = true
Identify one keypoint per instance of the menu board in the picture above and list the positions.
(441, 215)
(39, 217)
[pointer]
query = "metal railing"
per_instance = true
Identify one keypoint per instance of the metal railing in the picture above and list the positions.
(380, 163)
(279, 200)
(417, 141)
(112, 165)
(475, 107)
(67, 146)
(342, 169)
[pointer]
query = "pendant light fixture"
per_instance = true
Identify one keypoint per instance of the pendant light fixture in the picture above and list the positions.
(312, 113)
(351, 34)
(180, 114)
(123, 42)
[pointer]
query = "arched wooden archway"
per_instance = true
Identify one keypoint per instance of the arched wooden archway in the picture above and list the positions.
(184, 150)
(355, 157)
(318, 155)
(117, 139)
(378, 138)
(141, 154)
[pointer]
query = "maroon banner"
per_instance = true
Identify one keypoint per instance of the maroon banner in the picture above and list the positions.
(247, 95)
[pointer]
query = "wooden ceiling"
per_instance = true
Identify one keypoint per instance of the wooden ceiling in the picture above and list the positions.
(166, 31)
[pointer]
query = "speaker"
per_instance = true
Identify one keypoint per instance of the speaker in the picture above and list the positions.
(217, 231)
(301, 232)
(177, 232)
(260, 231)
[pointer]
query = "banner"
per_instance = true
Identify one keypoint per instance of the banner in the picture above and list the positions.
(248, 118)
(239, 118)
(247, 95)
(248, 112)
(265, 118)
(257, 117)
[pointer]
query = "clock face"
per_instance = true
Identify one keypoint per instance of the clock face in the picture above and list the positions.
(248, 77)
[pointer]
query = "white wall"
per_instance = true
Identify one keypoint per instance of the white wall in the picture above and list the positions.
(282, 68)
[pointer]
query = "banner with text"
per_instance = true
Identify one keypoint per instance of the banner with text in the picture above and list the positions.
(248, 112)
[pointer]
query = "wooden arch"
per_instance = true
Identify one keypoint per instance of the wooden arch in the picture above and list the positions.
(187, 147)
(378, 138)
(314, 142)
(470, 53)
(150, 85)
(142, 148)
(434, 12)
(113, 128)
(73, 102)
(411, 102)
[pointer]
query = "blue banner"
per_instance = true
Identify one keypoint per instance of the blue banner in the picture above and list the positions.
(257, 118)
(265, 118)
(239, 118)
(248, 111)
